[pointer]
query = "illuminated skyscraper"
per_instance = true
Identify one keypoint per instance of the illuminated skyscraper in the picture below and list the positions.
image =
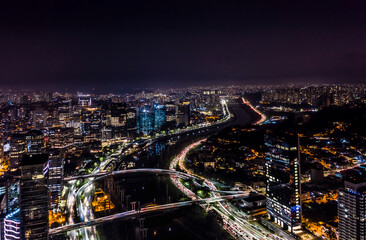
(283, 180)
(35, 141)
(352, 210)
(18, 147)
(145, 120)
(84, 100)
(183, 113)
(159, 119)
(1, 150)
(34, 197)
(92, 122)
(55, 176)
(150, 119)
(131, 123)
(61, 138)
(39, 117)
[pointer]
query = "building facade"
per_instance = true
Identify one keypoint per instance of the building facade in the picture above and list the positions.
(35, 141)
(283, 186)
(34, 197)
(352, 210)
(159, 117)
(18, 147)
(12, 226)
(183, 113)
(55, 176)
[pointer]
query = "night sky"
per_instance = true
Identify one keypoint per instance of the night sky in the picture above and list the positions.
(114, 45)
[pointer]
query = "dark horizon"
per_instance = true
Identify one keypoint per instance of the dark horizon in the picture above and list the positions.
(112, 46)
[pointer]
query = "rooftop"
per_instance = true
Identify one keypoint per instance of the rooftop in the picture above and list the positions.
(34, 159)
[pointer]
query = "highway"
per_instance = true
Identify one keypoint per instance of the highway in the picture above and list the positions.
(137, 170)
(263, 117)
(228, 116)
(234, 220)
(83, 206)
(145, 210)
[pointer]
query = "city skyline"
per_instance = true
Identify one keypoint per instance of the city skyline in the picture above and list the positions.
(238, 162)
(145, 120)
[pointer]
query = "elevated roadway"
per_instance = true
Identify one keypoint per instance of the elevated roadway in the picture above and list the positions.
(145, 210)
(137, 170)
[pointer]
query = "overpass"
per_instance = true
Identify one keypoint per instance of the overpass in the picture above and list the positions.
(144, 210)
(137, 170)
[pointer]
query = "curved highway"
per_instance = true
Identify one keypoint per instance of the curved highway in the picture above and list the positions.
(145, 210)
(84, 206)
(235, 224)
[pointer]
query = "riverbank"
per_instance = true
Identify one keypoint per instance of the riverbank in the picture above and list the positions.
(244, 113)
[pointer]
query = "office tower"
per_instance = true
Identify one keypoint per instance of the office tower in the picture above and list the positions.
(1, 149)
(39, 117)
(159, 117)
(85, 100)
(352, 210)
(91, 122)
(33, 198)
(55, 176)
(170, 112)
(65, 112)
(107, 133)
(183, 113)
(35, 141)
(145, 122)
(117, 116)
(61, 138)
(131, 122)
(12, 226)
(317, 173)
(283, 180)
(66, 106)
(18, 146)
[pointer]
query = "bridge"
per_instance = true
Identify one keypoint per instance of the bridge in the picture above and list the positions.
(204, 128)
(144, 210)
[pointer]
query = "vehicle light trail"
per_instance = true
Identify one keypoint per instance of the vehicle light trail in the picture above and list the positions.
(263, 117)
(238, 228)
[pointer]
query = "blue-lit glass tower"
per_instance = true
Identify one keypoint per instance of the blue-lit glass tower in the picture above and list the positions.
(159, 119)
(283, 180)
(150, 119)
(145, 120)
